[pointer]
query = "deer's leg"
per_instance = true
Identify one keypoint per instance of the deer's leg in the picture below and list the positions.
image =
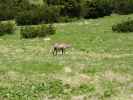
(62, 51)
(55, 51)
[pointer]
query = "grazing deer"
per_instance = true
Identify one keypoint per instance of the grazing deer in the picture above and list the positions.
(57, 47)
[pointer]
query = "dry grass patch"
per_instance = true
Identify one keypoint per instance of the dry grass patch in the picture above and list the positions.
(81, 97)
(75, 79)
(113, 76)
(106, 55)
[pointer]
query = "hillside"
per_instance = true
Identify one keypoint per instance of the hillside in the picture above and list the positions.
(99, 66)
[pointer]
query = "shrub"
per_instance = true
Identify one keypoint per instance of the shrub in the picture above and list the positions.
(7, 27)
(12, 7)
(72, 8)
(26, 18)
(126, 26)
(122, 6)
(96, 8)
(29, 13)
(7, 6)
(50, 29)
(37, 31)
(38, 14)
(51, 14)
(32, 16)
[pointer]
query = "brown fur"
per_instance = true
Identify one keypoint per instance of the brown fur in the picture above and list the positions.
(57, 47)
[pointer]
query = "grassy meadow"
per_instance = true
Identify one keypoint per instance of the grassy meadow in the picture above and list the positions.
(99, 66)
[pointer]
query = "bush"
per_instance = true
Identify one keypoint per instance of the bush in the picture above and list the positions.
(28, 18)
(72, 8)
(30, 15)
(38, 14)
(122, 6)
(8, 12)
(51, 14)
(50, 30)
(96, 8)
(7, 27)
(126, 26)
(37, 31)
(12, 8)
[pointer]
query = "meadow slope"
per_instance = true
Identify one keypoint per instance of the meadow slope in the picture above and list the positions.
(99, 66)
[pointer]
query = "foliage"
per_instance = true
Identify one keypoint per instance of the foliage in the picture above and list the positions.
(122, 6)
(37, 31)
(51, 30)
(126, 26)
(27, 13)
(72, 8)
(51, 14)
(7, 6)
(55, 2)
(12, 8)
(37, 15)
(7, 27)
(96, 8)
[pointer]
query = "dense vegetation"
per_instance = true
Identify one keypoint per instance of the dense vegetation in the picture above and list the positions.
(50, 11)
(28, 31)
(37, 31)
(126, 26)
(7, 27)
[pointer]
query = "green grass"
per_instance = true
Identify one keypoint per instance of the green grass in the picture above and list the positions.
(40, 2)
(99, 66)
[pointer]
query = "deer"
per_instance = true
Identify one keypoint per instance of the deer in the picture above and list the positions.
(60, 47)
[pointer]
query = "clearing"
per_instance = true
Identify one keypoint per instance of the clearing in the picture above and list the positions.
(99, 66)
